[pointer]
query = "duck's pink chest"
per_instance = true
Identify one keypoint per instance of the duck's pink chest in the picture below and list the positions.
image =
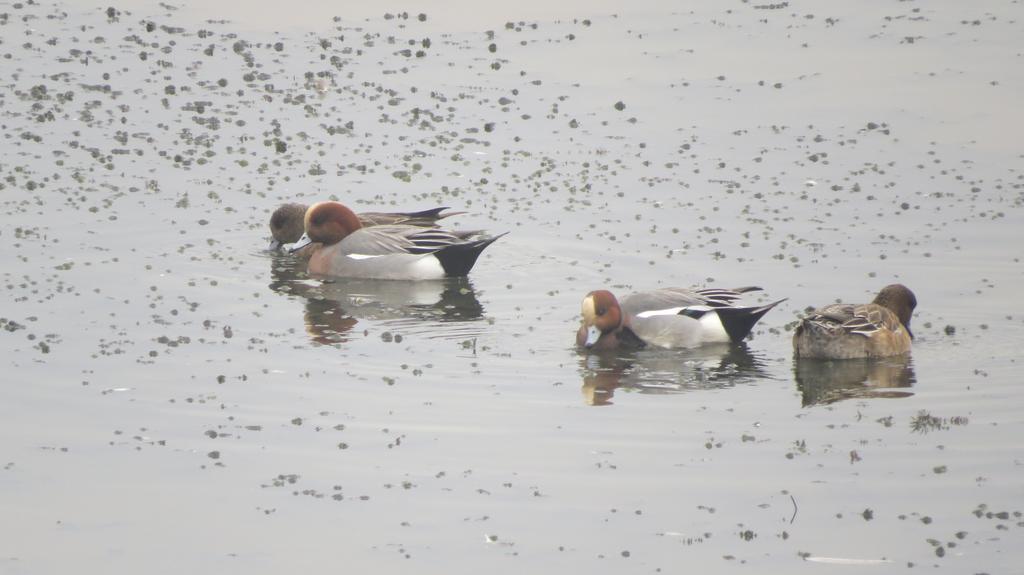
(320, 262)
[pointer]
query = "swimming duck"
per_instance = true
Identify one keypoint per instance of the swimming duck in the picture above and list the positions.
(399, 251)
(287, 222)
(668, 317)
(844, 331)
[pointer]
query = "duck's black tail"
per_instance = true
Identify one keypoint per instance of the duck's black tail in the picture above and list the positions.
(458, 259)
(738, 321)
(428, 217)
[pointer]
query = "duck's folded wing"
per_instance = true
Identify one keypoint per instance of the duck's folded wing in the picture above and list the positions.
(869, 318)
(667, 301)
(399, 239)
(424, 218)
(721, 297)
(852, 319)
(673, 300)
(835, 313)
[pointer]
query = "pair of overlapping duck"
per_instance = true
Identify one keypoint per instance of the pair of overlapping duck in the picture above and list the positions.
(413, 246)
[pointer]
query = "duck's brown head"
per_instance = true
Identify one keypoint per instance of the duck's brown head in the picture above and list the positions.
(287, 224)
(602, 318)
(330, 222)
(901, 301)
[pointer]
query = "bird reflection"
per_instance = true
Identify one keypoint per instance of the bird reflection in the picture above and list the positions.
(823, 381)
(327, 322)
(333, 308)
(668, 371)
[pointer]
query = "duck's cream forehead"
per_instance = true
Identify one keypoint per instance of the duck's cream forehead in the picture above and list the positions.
(588, 309)
(309, 214)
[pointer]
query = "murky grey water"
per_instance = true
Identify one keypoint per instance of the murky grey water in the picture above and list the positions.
(174, 399)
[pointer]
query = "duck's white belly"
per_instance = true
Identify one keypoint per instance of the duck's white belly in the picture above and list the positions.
(388, 267)
(679, 331)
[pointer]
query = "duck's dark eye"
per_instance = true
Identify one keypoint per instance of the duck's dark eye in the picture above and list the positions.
(318, 218)
(601, 310)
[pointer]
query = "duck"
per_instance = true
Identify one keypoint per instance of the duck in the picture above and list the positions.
(287, 222)
(389, 251)
(849, 331)
(667, 318)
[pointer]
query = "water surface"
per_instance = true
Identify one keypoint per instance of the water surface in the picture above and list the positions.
(177, 399)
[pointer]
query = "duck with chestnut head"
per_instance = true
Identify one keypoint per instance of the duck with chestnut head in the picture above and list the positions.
(287, 223)
(394, 251)
(667, 318)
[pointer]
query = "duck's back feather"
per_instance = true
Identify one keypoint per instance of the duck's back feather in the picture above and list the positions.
(843, 331)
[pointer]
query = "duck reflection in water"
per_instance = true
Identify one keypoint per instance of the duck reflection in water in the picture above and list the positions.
(822, 382)
(327, 322)
(659, 371)
(334, 308)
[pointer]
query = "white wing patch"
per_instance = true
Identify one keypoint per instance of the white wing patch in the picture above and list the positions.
(673, 311)
(362, 256)
(656, 312)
